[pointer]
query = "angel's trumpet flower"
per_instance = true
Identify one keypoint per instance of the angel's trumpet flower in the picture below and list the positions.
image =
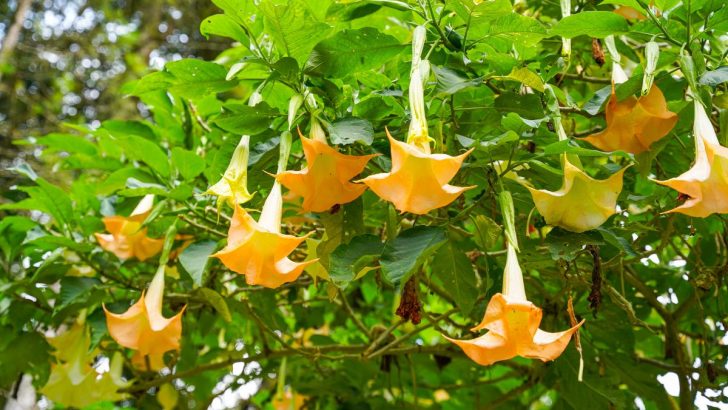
(144, 328)
(258, 249)
(73, 382)
(233, 186)
(633, 124)
(418, 180)
(513, 325)
(706, 182)
(127, 238)
(324, 182)
(582, 203)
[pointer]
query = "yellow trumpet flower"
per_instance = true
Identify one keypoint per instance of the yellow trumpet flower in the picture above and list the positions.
(143, 327)
(73, 382)
(418, 180)
(706, 182)
(233, 186)
(325, 182)
(126, 238)
(582, 203)
(513, 325)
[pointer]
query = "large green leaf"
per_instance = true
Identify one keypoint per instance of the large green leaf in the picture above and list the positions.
(225, 26)
(196, 79)
(348, 260)
(590, 23)
(292, 28)
(404, 254)
(144, 150)
(195, 258)
(351, 51)
(454, 269)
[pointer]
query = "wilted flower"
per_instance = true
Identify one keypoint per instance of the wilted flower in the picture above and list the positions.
(126, 238)
(143, 327)
(705, 183)
(513, 325)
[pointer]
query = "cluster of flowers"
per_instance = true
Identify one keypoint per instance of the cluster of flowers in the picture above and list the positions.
(418, 182)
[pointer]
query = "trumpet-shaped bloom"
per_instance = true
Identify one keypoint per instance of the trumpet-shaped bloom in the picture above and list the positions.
(706, 182)
(144, 328)
(325, 180)
(126, 238)
(233, 186)
(418, 181)
(288, 401)
(582, 203)
(73, 382)
(634, 123)
(513, 325)
(261, 253)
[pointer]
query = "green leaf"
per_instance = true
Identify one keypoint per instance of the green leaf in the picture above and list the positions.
(141, 149)
(564, 245)
(454, 269)
(194, 259)
(487, 232)
(597, 24)
(715, 77)
(527, 106)
(449, 81)
(225, 26)
(48, 198)
(351, 51)
(511, 28)
(197, 79)
(188, 163)
(74, 288)
(217, 302)
(404, 254)
(569, 147)
(347, 131)
(527, 78)
(293, 30)
(347, 261)
(246, 120)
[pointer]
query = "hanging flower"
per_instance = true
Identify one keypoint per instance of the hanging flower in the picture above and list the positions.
(257, 249)
(233, 186)
(324, 182)
(513, 325)
(143, 327)
(418, 180)
(288, 400)
(126, 238)
(582, 203)
(705, 183)
(73, 381)
(633, 124)
(629, 13)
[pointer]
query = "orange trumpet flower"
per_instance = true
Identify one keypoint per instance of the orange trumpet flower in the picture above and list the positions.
(126, 238)
(324, 182)
(513, 325)
(257, 249)
(418, 180)
(144, 329)
(704, 183)
(633, 124)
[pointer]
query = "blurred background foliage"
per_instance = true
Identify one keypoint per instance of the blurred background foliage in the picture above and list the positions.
(102, 102)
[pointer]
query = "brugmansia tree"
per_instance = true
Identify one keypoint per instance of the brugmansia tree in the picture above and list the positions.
(388, 204)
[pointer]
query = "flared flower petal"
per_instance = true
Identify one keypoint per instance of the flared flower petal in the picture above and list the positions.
(143, 327)
(417, 182)
(582, 203)
(635, 123)
(126, 238)
(706, 182)
(259, 253)
(325, 181)
(513, 325)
